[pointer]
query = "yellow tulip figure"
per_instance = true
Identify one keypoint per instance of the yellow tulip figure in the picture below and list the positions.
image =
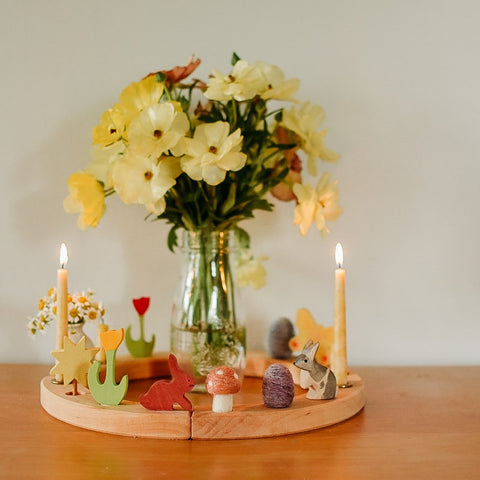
(108, 393)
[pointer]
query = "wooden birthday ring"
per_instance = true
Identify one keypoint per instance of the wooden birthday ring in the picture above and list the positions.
(249, 418)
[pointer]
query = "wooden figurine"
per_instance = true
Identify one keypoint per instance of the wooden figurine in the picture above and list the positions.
(74, 360)
(108, 393)
(278, 388)
(163, 394)
(222, 383)
(319, 380)
(101, 355)
(309, 329)
(140, 348)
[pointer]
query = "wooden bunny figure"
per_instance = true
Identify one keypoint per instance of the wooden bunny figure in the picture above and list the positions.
(319, 380)
(162, 395)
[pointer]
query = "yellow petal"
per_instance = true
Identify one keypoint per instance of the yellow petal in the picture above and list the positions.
(111, 339)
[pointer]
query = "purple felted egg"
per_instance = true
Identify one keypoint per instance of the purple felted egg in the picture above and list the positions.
(278, 388)
(279, 334)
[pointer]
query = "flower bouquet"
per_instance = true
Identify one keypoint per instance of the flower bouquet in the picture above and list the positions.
(204, 156)
(82, 308)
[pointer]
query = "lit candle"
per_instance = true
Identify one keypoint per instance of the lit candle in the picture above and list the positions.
(62, 298)
(339, 354)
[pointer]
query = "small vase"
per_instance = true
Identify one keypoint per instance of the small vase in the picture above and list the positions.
(207, 328)
(75, 334)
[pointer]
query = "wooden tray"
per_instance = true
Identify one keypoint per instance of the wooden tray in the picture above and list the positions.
(249, 419)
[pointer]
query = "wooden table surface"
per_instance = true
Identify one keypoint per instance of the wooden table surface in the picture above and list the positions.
(417, 423)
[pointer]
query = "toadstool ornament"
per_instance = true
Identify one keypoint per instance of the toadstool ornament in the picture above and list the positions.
(222, 383)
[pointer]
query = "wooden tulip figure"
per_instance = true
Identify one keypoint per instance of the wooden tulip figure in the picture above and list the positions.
(140, 348)
(108, 393)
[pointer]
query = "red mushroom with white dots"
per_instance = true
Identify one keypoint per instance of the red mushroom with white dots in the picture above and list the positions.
(222, 383)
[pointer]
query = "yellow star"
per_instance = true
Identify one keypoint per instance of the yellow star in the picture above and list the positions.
(73, 361)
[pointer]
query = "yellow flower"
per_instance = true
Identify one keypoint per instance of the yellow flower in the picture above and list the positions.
(274, 84)
(92, 314)
(306, 208)
(86, 197)
(73, 312)
(111, 339)
(305, 123)
(243, 83)
(103, 158)
(139, 179)
(250, 271)
(111, 127)
(41, 304)
(157, 129)
(320, 204)
(328, 201)
(140, 95)
(212, 152)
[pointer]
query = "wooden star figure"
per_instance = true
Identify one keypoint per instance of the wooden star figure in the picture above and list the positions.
(74, 360)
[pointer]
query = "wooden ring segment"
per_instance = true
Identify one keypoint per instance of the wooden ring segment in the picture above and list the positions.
(250, 419)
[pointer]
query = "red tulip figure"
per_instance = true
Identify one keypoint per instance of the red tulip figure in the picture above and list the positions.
(140, 348)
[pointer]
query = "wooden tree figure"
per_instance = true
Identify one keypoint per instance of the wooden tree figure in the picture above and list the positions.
(74, 361)
(108, 393)
(140, 348)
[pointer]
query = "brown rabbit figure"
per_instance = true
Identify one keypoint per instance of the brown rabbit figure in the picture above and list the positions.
(319, 380)
(163, 394)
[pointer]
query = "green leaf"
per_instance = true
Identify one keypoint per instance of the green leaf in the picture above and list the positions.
(172, 239)
(161, 77)
(242, 237)
(230, 200)
(235, 58)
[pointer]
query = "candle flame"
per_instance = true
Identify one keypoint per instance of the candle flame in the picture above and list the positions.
(339, 255)
(63, 255)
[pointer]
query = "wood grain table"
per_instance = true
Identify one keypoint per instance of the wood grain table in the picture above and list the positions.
(417, 423)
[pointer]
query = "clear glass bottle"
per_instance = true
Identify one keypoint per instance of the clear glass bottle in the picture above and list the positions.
(207, 324)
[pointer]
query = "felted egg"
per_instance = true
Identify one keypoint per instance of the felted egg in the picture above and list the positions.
(278, 388)
(279, 334)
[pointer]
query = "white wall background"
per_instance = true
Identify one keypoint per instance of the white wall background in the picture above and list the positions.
(400, 84)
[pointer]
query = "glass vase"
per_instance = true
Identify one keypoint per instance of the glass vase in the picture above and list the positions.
(207, 325)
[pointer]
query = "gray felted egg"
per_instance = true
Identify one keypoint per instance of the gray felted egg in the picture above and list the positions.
(278, 388)
(279, 334)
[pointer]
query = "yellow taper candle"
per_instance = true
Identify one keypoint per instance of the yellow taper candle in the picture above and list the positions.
(62, 304)
(62, 298)
(339, 354)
